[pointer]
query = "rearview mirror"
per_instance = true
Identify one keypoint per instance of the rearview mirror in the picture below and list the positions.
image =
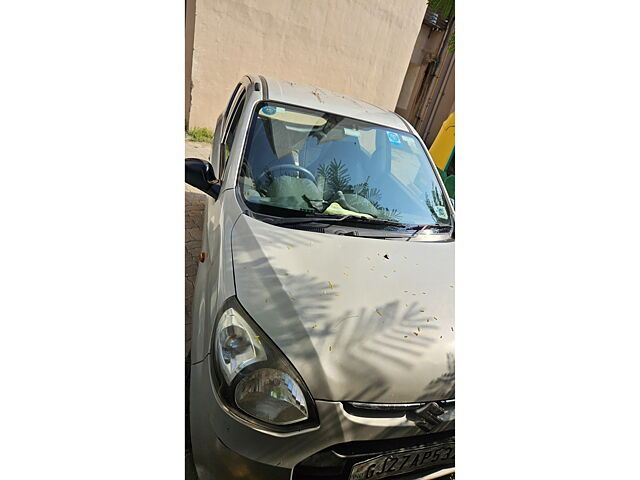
(199, 174)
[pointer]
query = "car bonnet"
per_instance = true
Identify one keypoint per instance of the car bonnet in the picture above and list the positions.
(361, 319)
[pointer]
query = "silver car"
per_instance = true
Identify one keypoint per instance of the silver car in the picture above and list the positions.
(323, 316)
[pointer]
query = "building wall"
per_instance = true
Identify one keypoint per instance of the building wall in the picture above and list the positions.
(425, 51)
(427, 96)
(189, 27)
(356, 47)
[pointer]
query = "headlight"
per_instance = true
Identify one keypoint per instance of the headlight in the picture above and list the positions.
(256, 378)
(237, 345)
(272, 396)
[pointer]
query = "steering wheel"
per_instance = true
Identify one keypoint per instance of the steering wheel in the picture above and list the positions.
(286, 166)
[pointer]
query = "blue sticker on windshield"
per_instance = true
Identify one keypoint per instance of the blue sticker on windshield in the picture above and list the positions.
(441, 212)
(394, 138)
(268, 110)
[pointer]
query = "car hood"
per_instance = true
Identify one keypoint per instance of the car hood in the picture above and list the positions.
(361, 319)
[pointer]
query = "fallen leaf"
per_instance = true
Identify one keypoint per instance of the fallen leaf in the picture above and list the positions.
(315, 325)
(418, 328)
(386, 256)
(452, 329)
(406, 336)
(378, 312)
(330, 347)
(266, 300)
(330, 284)
(415, 333)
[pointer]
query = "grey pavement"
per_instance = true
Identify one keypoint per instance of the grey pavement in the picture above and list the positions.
(194, 204)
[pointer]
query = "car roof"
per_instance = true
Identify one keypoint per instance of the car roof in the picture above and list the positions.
(325, 100)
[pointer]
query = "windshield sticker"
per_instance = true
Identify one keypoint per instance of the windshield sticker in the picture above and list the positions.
(394, 138)
(352, 132)
(268, 110)
(410, 141)
(441, 212)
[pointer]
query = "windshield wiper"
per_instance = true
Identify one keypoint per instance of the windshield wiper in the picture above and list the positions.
(376, 221)
(333, 219)
(308, 219)
(428, 226)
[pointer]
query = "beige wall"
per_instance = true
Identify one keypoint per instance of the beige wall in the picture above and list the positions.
(357, 47)
(189, 27)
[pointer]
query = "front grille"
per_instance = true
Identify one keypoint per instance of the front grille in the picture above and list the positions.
(443, 416)
(362, 409)
(335, 463)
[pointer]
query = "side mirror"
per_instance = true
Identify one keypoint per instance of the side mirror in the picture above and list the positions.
(199, 173)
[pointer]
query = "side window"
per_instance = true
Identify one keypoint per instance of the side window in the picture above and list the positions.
(231, 99)
(229, 135)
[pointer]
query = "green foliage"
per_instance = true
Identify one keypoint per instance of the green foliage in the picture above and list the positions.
(435, 201)
(372, 194)
(201, 134)
(337, 179)
(336, 176)
(444, 8)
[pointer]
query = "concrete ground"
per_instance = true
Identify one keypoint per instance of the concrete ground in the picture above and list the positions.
(194, 203)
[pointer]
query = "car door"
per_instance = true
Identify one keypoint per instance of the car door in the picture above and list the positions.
(217, 252)
(224, 133)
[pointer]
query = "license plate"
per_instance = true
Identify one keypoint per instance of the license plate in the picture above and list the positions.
(404, 461)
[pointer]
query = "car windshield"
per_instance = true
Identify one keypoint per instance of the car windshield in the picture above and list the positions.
(308, 161)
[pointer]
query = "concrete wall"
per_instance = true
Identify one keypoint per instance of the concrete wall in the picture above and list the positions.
(424, 52)
(356, 47)
(189, 28)
(427, 96)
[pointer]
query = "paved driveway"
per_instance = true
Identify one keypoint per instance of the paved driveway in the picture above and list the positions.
(194, 203)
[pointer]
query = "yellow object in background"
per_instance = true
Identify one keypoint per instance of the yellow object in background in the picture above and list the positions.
(336, 209)
(445, 141)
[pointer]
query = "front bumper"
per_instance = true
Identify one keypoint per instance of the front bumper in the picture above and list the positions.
(336, 462)
(224, 447)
